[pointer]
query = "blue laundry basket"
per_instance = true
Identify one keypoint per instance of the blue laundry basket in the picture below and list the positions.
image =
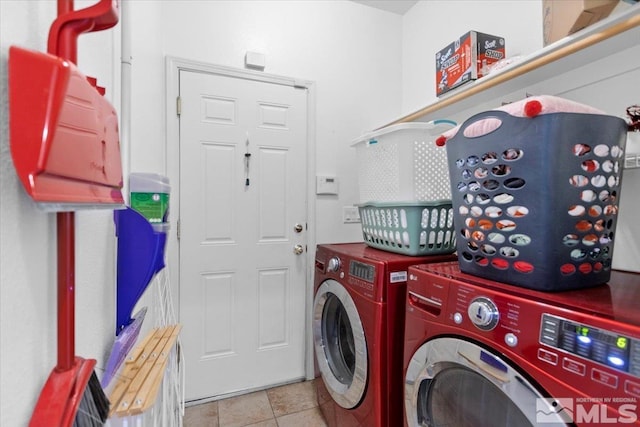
(536, 200)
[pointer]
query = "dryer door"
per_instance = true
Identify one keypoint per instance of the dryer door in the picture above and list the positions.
(452, 382)
(340, 345)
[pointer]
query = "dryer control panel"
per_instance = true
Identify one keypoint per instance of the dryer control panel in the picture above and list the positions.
(608, 348)
(366, 272)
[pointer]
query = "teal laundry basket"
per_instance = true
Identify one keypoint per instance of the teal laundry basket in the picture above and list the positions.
(410, 228)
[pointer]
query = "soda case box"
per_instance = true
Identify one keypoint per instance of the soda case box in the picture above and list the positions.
(467, 59)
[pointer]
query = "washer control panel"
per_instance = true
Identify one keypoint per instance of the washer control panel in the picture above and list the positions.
(577, 344)
(612, 349)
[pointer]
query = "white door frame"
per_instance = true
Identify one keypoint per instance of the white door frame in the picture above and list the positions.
(173, 66)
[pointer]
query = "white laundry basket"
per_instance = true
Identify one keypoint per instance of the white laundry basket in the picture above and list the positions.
(401, 163)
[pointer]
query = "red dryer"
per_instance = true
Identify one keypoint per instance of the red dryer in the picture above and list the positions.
(482, 353)
(358, 327)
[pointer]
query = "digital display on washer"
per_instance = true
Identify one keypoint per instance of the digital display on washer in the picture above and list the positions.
(609, 348)
(362, 271)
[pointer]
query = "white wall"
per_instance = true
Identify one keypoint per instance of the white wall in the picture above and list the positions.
(351, 52)
(28, 238)
(431, 25)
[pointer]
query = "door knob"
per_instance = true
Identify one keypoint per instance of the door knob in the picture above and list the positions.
(298, 228)
(298, 249)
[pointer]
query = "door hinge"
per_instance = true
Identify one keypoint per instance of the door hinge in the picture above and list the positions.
(178, 230)
(178, 106)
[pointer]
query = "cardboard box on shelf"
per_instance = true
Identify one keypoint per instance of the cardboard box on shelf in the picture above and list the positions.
(564, 17)
(466, 59)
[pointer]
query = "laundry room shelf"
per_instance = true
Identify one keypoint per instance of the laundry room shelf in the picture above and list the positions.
(605, 38)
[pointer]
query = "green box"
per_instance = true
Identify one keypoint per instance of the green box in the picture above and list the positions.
(153, 206)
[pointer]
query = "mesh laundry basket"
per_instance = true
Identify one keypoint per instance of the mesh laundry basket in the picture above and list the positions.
(414, 229)
(536, 201)
(401, 163)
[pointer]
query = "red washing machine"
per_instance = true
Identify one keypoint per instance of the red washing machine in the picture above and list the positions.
(481, 353)
(358, 330)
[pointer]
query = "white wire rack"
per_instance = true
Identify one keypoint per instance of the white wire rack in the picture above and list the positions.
(168, 409)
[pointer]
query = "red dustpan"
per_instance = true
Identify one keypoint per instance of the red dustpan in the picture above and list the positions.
(66, 152)
(64, 133)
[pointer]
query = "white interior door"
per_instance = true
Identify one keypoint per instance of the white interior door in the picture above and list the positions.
(243, 191)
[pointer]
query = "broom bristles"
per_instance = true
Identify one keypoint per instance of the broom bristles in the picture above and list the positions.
(94, 406)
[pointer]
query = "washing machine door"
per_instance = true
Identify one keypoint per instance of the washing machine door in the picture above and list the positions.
(452, 382)
(340, 345)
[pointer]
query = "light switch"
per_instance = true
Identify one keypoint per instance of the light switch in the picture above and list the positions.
(350, 214)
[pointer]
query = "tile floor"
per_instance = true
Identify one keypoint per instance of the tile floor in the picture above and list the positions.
(291, 405)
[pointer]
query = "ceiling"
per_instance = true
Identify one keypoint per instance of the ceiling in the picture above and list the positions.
(399, 7)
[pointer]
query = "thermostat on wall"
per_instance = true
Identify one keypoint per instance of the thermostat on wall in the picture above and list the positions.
(327, 185)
